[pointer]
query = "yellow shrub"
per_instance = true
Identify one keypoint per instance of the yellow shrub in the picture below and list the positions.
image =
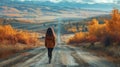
(8, 35)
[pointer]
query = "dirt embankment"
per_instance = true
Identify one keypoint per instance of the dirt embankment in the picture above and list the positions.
(111, 53)
(8, 50)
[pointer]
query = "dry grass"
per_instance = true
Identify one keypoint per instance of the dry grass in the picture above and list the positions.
(8, 50)
(109, 56)
(112, 53)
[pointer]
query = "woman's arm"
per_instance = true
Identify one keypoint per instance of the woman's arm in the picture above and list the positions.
(54, 41)
(45, 42)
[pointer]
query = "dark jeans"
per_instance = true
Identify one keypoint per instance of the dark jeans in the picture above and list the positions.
(50, 53)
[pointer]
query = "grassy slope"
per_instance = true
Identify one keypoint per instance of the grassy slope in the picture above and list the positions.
(10, 49)
(111, 53)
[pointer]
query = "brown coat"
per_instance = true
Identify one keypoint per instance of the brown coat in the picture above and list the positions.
(49, 42)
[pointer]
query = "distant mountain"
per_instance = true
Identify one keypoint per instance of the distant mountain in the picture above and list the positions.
(96, 6)
(49, 11)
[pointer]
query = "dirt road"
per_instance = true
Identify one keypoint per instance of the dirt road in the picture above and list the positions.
(63, 56)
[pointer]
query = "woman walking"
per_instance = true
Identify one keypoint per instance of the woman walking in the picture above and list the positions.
(50, 42)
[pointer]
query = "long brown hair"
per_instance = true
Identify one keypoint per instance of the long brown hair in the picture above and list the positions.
(50, 33)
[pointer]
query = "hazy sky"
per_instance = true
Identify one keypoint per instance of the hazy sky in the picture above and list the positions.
(79, 1)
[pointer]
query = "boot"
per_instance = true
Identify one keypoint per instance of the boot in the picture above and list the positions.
(49, 60)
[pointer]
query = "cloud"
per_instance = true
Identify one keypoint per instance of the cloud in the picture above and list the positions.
(55, 1)
(93, 1)
(77, 1)
(104, 1)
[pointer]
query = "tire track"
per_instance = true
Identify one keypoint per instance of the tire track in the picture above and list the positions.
(19, 59)
(30, 60)
(67, 59)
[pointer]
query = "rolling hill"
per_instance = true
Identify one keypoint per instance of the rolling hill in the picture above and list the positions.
(40, 12)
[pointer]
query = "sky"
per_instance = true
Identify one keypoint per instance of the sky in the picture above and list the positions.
(78, 1)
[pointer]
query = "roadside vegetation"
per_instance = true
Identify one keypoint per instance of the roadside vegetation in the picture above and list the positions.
(13, 41)
(106, 33)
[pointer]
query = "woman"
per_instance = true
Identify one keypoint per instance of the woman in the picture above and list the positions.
(50, 42)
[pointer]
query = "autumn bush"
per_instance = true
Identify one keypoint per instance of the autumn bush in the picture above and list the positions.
(107, 33)
(77, 38)
(8, 35)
